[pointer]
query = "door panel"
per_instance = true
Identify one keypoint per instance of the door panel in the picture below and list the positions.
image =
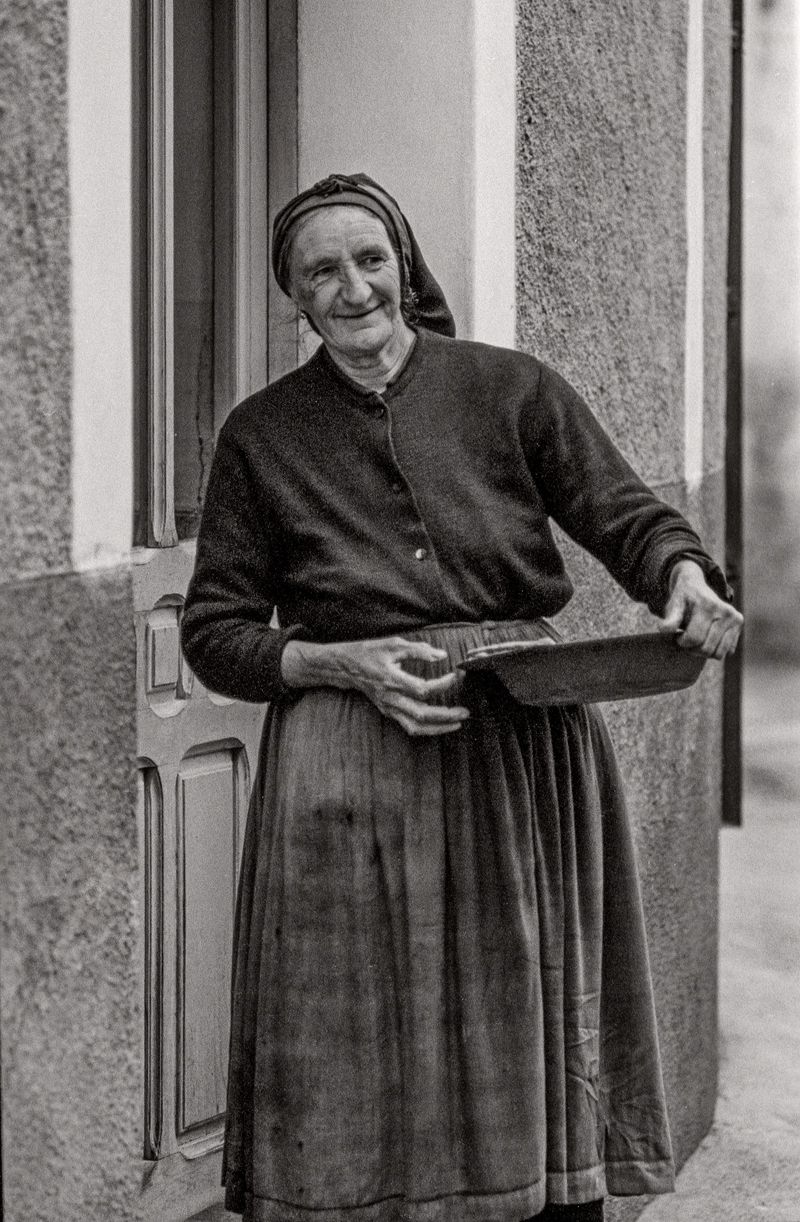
(207, 322)
(196, 756)
(212, 785)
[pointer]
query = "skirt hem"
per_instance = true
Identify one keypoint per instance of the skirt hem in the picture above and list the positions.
(455, 1207)
(634, 1179)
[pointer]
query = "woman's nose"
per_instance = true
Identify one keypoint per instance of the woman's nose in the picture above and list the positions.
(355, 286)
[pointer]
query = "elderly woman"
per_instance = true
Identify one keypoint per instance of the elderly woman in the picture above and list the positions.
(442, 1007)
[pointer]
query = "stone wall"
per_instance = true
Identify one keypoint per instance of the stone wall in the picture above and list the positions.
(601, 259)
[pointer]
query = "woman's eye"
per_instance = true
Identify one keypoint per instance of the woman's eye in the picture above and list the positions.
(372, 261)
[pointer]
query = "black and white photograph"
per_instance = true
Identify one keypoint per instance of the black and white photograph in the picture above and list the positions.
(400, 610)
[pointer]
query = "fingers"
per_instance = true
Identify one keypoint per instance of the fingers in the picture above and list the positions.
(714, 644)
(402, 680)
(408, 699)
(413, 685)
(416, 649)
(704, 622)
(426, 729)
(417, 717)
(729, 642)
(723, 636)
(674, 613)
(375, 669)
(712, 631)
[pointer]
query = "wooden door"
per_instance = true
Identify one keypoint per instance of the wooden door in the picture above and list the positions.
(211, 112)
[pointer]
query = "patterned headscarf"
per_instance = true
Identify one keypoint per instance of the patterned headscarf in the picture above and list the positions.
(430, 306)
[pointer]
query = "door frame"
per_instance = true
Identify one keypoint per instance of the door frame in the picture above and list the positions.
(181, 1172)
(260, 321)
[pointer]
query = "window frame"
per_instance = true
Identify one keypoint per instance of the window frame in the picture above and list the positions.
(261, 43)
(258, 326)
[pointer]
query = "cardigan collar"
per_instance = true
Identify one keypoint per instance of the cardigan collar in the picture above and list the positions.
(326, 366)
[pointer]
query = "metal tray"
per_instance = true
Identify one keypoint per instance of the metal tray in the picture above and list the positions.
(591, 671)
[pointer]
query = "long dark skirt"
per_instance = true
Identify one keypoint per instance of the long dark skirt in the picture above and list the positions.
(442, 1008)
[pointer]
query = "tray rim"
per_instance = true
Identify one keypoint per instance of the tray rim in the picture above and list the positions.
(501, 664)
(600, 644)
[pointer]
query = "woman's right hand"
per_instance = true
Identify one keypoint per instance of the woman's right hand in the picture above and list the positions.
(375, 669)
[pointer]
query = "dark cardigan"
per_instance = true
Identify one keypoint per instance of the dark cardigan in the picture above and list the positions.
(358, 515)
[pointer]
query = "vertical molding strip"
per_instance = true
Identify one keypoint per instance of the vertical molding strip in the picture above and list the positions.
(161, 400)
(694, 379)
(494, 132)
(734, 529)
(226, 223)
(100, 101)
(242, 240)
(251, 238)
(152, 815)
(282, 140)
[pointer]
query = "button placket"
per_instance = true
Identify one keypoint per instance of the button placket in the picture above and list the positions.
(398, 485)
(375, 407)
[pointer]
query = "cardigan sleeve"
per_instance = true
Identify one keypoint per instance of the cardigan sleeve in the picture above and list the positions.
(225, 629)
(590, 490)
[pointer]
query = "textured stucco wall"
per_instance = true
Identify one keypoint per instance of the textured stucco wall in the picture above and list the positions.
(601, 264)
(71, 1028)
(35, 371)
(69, 975)
(601, 187)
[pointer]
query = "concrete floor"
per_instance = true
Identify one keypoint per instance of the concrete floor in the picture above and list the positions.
(748, 1168)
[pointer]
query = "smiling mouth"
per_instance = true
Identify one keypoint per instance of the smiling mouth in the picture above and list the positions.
(363, 314)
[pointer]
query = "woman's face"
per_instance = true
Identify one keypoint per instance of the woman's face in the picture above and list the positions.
(345, 276)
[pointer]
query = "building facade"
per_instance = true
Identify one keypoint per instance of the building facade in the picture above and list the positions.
(565, 170)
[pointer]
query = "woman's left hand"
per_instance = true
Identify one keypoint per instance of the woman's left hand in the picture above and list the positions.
(703, 621)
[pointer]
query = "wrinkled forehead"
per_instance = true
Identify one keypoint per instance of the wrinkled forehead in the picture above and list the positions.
(336, 226)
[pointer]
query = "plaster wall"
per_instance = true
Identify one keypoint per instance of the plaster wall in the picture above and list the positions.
(609, 210)
(100, 65)
(421, 97)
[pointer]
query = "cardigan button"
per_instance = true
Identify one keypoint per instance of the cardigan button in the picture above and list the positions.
(397, 487)
(421, 553)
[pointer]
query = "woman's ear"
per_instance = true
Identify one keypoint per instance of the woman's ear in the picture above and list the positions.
(306, 319)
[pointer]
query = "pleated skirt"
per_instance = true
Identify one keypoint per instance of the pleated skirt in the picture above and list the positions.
(442, 1008)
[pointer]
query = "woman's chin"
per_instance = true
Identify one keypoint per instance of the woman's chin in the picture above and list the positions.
(369, 337)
